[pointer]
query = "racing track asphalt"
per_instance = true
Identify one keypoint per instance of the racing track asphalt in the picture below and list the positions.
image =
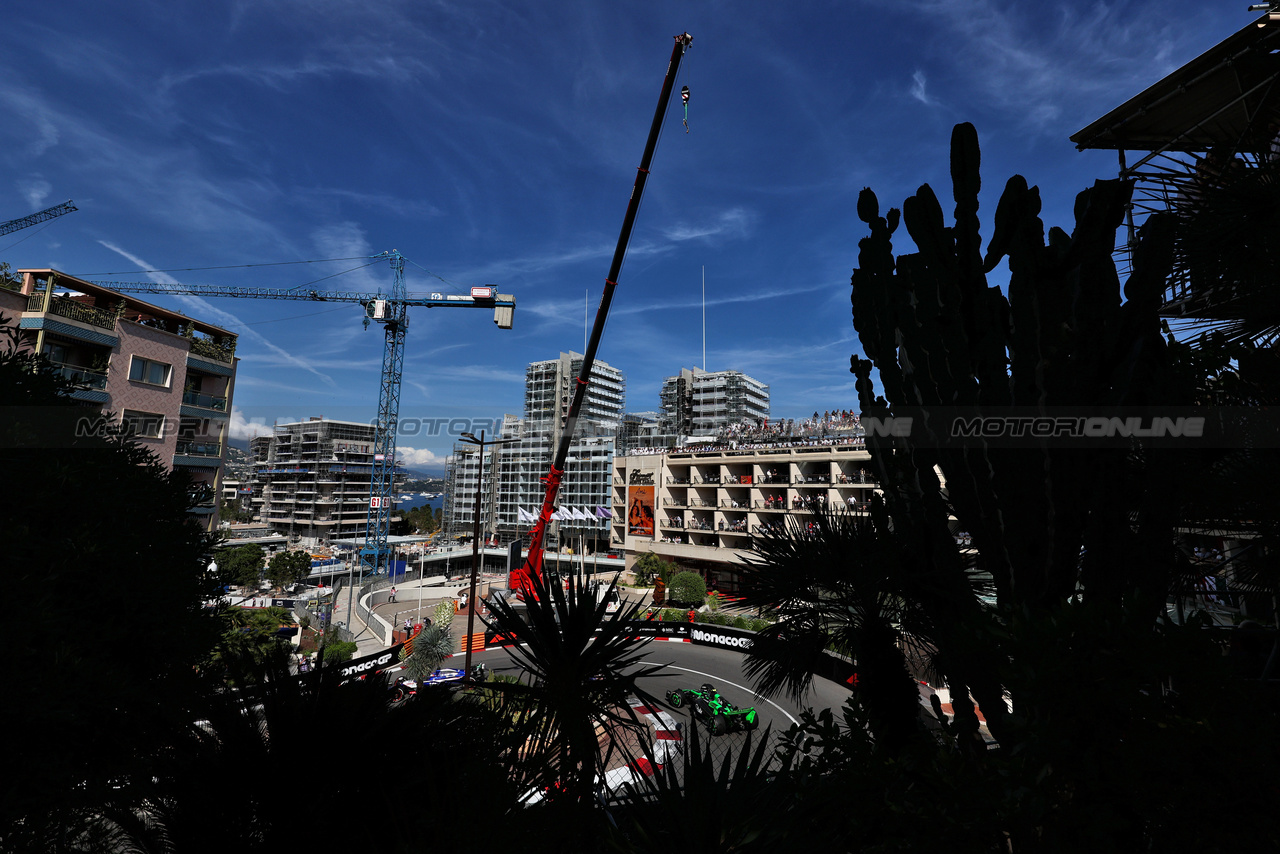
(689, 666)
(686, 666)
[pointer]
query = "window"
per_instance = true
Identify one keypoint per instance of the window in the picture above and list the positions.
(146, 371)
(148, 425)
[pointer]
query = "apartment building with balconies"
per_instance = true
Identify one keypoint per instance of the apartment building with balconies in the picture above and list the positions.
(168, 378)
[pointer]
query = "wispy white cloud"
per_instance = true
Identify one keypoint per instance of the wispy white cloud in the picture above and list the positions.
(140, 173)
(330, 362)
(35, 190)
(733, 223)
(435, 351)
(731, 299)
(790, 358)
(246, 381)
(569, 312)
(918, 88)
(551, 262)
(1047, 63)
(381, 201)
(205, 310)
(282, 76)
(482, 373)
(27, 107)
(347, 240)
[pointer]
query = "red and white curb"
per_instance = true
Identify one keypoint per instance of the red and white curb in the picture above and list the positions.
(667, 743)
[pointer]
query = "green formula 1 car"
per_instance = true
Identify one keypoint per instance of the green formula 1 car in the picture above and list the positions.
(715, 711)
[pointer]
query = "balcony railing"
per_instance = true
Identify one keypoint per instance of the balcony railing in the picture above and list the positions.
(69, 308)
(222, 350)
(84, 377)
(208, 401)
(199, 449)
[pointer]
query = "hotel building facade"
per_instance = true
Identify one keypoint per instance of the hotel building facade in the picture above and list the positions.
(702, 508)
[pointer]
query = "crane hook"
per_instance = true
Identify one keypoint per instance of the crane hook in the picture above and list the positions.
(684, 96)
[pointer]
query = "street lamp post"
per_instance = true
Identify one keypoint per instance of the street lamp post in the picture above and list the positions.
(475, 540)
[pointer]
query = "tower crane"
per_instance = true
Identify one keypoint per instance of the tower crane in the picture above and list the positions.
(392, 311)
(39, 216)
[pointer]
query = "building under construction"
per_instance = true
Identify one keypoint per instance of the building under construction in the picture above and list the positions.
(698, 402)
(315, 478)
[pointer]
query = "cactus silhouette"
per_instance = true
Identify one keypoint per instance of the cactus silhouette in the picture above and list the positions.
(943, 339)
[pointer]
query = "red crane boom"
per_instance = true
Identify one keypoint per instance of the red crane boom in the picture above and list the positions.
(520, 581)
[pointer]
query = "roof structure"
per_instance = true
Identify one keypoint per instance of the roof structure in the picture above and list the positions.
(1227, 95)
(67, 283)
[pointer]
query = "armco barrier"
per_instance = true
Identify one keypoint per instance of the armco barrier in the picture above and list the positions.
(829, 666)
(720, 637)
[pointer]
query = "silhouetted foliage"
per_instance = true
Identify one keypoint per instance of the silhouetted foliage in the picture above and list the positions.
(107, 621)
(581, 666)
(431, 647)
(1079, 542)
(838, 588)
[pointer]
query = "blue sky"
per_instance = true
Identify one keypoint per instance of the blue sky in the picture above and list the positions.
(497, 142)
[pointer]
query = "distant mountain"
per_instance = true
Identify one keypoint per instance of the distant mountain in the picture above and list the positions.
(424, 474)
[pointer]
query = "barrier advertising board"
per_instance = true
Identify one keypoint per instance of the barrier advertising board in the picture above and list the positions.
(720, 637)
(370, 663)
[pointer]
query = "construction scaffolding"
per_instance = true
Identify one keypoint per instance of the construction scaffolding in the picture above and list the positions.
(316, 479)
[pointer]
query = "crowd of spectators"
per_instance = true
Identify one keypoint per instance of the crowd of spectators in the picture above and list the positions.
(831, 427)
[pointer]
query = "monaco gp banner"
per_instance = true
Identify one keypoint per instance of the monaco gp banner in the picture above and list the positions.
(721, 637)
(640, 511)
(370, 663)
(702, 634)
